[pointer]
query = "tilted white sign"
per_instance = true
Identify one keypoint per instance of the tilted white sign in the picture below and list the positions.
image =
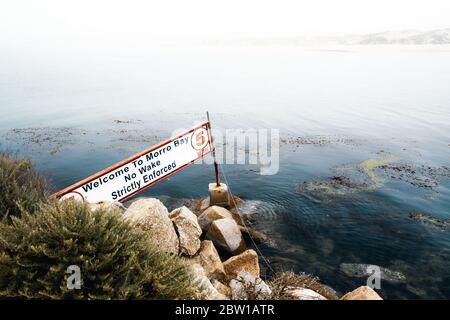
(132, 175)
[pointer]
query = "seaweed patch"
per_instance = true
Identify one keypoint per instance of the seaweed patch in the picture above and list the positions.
(348, 178)
(52, 139)
(421, 176)
(370, 174)
(318, 140)
(441, 224)
(368, 167)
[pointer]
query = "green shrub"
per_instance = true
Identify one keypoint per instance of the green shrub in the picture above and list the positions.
(20, 186)
(116, 260)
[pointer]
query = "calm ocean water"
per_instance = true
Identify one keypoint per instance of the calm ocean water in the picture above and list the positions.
(327, 210)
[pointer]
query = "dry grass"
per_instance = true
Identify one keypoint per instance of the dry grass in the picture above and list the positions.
(283, 282)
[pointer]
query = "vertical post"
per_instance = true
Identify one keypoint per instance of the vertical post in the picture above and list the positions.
(216, 167)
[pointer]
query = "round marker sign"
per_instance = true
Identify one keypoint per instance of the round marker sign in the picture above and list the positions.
(199, 139)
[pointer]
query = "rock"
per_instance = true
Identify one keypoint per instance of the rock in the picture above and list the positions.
(248, 287)
(360, 270)
(246, 261)
(255, 235)
(211, 214)
(209, 259)
(223, 289)
(219, 194)
(236, 202)
(208, 290)
(107, 205)
(200, 205)
(225, 233)
(362, 293)
(332, 294)
(305, 294)
(151, 215)
(214, 213)
(188, 229)
(238, 218)
(204, 204)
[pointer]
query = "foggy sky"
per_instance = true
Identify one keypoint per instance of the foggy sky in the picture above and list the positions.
(86, 21)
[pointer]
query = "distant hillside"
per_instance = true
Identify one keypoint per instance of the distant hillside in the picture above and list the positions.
(405, 37)
(441, 36)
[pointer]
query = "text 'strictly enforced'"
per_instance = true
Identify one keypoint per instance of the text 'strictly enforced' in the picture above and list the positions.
(142, 170)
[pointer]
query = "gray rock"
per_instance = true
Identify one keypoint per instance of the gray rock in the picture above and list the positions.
(357, 270)
(246, 287)
(207, 288)
(305, 294)
(152, 216)
(209, 259)
(225, 233)
(211, 214)
(246, 261)
(188, 229)
(362, 293)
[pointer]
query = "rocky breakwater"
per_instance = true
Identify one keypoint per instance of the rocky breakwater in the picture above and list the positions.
(212, 242)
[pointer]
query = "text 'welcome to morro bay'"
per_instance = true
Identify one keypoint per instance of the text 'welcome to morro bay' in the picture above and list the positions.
(134, 174)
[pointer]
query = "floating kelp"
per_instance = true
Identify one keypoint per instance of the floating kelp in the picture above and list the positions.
(335, 185)
(52, 139)
(368, 167)
(122, 137)
(317, 140)
(427, 219)
(358, 270)
(119, 121)
(421, 176)
(349, 178)
(370, 174)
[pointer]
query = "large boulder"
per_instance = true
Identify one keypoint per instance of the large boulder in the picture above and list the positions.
(362, 293)
(246, 261)
(209, 259)
(207, 289)
(305, 294)
(188, 229)
(211, 214)
(151, 215)
(248, 287)
(225, 234)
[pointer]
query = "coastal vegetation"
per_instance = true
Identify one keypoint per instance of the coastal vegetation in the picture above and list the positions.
(40, 239)
(53, 249)
(21, 188)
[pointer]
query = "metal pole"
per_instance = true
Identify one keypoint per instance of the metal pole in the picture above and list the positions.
(216, 167)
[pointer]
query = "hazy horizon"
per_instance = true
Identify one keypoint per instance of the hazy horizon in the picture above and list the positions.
(99, 23)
